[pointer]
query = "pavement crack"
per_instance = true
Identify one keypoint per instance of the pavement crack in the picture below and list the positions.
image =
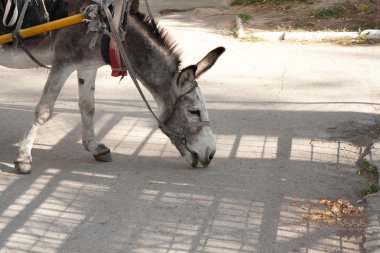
(282, 83)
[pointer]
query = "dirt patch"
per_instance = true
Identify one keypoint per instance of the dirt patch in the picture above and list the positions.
(338, 212)
(308, 15)
(313, 15)
(361, 134)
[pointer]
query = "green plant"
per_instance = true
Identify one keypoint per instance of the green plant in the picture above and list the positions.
(363, 7)
(368, 168)
(234, 32)
(244, 18)
(373, 188)
(333, 12)
(253, 39)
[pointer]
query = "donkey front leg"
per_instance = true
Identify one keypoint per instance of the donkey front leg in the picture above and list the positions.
(86, 83)
(53, 87)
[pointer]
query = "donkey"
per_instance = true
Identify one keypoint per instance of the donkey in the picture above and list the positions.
(155, 59)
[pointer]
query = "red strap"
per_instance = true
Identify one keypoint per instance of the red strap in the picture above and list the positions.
(118, 68)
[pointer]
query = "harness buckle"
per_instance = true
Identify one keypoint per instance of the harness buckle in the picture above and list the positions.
(16, 37)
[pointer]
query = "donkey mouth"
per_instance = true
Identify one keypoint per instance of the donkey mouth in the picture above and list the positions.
(194, 160)
(196, 163)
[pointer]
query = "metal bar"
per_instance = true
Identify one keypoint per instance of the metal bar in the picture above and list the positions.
(47, 27)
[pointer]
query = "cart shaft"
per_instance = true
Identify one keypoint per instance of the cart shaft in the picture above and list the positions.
(47, 27)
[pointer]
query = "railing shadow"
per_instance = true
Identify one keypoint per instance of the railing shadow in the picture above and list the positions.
(269, 166)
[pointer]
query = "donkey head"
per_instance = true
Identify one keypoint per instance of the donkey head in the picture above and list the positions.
(187, 123)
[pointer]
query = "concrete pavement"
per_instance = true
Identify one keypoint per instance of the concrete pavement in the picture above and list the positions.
(271, 106)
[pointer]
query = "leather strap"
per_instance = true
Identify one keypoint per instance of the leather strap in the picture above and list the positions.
(33, 58)
(10, 19)
(17, 39)
(117, 66)
(22, 15)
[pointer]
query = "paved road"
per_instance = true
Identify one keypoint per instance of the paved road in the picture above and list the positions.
(270, 104)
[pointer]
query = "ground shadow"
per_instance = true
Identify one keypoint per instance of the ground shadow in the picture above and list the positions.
(269, 167)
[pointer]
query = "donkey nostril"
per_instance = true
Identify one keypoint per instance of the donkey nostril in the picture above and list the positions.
(211, 156)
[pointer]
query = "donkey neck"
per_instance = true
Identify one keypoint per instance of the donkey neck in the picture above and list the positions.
(153, 58)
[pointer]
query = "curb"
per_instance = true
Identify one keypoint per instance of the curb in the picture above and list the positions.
(372, 233)
(305, 36)
(318, 36)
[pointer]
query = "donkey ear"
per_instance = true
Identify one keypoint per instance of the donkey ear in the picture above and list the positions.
(186, 77)
(208, 61)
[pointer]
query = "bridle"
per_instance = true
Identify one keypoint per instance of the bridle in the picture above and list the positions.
(181, 136)
(163, 125)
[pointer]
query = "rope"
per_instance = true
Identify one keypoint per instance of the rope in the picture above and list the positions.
(125, 58)
(46, 14)
(115, 36)
(133, 73)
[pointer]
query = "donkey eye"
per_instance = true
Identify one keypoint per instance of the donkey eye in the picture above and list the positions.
(195, 112)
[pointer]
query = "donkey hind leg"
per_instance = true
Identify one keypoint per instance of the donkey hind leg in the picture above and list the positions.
(44, 108)
(86, 83)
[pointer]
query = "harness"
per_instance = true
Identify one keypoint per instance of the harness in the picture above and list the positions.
(110, 51)
(181, 136)
(13, 19)
(120, 8)
(17, 39)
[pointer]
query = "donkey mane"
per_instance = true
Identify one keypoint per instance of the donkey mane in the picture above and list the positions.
(161, 36)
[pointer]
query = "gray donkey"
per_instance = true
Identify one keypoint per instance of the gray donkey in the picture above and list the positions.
(182, 112)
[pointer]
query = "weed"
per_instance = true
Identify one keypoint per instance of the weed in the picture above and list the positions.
(234, 32)
(372, 173)
(244, 18)
(334, 12)
(368, 168)
(373, 188)
(253, 39)
(363, 7)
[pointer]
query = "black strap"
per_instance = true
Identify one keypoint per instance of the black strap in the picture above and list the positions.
(17, 39)
(19, 42)
(1, 9)
(33, 58)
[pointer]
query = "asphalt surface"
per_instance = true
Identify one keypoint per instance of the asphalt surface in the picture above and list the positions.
(271, 107)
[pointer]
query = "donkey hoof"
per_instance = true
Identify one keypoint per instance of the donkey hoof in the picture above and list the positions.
(107, 157)
(102, 154)
(23, 167)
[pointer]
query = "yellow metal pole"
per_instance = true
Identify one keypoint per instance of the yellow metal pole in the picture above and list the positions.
(47, 27)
